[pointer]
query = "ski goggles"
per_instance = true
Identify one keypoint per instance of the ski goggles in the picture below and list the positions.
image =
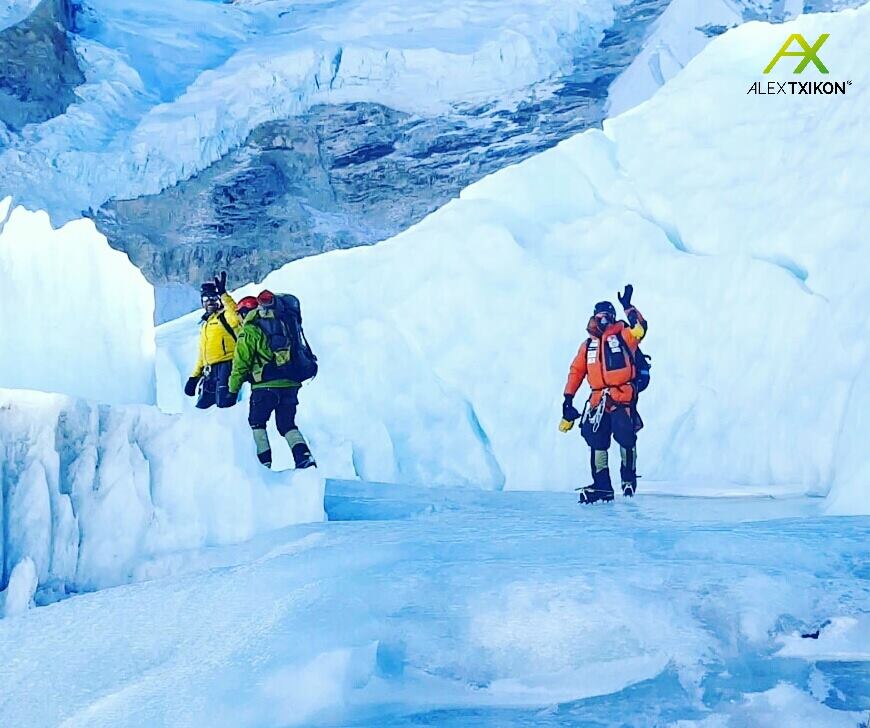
(210, 298)
(266, 299)
(246, 305)
(603, 318)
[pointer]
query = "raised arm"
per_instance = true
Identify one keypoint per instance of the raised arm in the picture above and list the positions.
(635, 319)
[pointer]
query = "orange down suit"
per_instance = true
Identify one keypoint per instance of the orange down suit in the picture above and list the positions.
(604, 361)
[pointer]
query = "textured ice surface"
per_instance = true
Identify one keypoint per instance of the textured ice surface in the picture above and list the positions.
(462, 608)
(14, 11)
(209, 133)
(171, 87)
(444, 350)
(90, 491)
(77, 315)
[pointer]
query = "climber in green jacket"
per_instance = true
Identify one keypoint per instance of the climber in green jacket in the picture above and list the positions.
(254, 361)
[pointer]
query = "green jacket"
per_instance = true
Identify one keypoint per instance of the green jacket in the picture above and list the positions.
(252, 354)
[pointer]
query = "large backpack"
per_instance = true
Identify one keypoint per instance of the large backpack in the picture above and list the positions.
(642, 366)
(292, 355)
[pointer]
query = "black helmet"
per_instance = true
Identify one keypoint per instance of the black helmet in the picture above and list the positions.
(605, 307)
(208, 290)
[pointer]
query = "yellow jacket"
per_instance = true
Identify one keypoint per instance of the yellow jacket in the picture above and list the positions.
(216, 344)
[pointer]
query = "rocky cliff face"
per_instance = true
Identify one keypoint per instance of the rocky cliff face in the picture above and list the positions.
(39, 69)
(345, 175)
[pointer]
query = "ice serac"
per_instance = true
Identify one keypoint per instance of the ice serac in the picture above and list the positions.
(90, 491)
(77, 314)
(736, 219)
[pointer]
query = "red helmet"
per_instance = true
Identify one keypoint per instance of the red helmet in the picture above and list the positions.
(246, 305)
(266, 298)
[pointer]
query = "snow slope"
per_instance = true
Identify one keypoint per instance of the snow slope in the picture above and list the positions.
(675, 39)
(444, 350)
(90, 491)
(14, 11)
(77, 315)
(471, 610)
(684, 29)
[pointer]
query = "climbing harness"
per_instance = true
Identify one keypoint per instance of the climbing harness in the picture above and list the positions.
(596, 414)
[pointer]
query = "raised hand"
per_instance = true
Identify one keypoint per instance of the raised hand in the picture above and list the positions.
(220, 283)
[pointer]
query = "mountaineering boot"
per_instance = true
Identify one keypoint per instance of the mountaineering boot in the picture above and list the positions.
(264, 450)
(601, 489)
(591, 494)
(302, 456)
(627, 472)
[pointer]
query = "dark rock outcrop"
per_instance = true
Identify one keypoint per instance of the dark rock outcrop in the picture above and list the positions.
(349, 175)
(39, 68)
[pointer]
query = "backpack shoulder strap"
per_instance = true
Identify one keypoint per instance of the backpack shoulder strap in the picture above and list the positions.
(624, 343)
(226, 324)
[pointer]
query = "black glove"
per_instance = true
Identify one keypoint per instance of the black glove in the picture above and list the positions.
(625, 298)
(569, 411)
(220, 283)
(190, 387)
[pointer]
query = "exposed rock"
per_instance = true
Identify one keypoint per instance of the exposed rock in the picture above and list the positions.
(40, 68)
(342, 176)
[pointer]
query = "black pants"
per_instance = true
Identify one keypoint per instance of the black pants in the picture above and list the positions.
(215, 388)
(619, 424)
(280, 400)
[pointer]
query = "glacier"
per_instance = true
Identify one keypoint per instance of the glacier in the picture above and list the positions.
(179, 583)
(79, 314)
(422, 606)
(445, 349)
(90, 491)
(250, 134)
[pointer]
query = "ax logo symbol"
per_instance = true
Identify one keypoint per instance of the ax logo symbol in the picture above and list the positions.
(809, 53)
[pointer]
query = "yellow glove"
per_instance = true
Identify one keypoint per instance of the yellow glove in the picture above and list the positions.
(565, 425)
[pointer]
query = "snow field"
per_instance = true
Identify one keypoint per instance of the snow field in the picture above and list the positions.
(475, 609)
(14, 11)
(444, 350)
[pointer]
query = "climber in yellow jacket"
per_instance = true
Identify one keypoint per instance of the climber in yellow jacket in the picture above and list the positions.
(219, 327)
